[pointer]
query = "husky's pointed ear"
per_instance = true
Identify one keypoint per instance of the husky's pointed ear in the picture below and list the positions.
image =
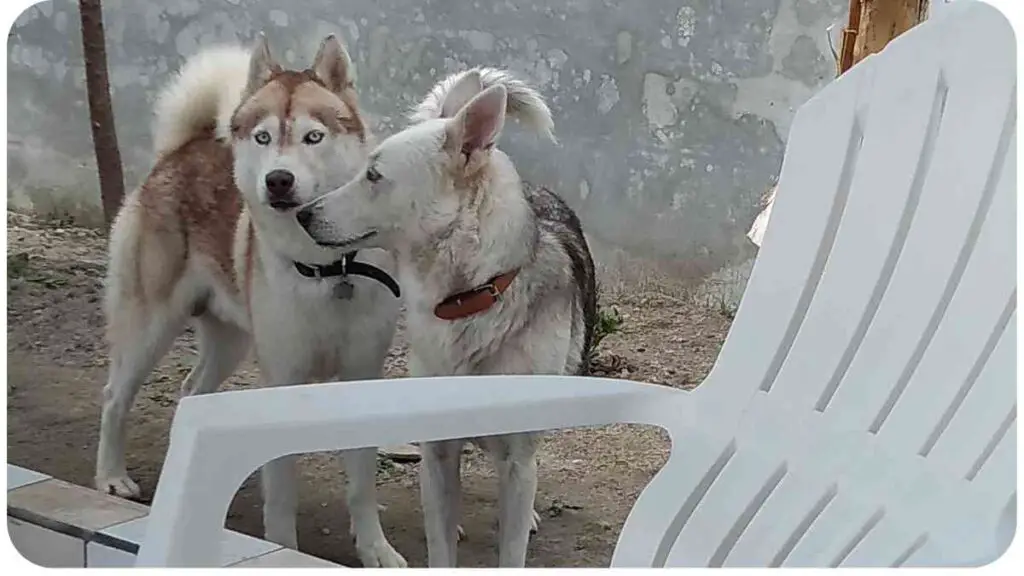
(478, 124)
(462, 91)
(261, 65)
(332, 65)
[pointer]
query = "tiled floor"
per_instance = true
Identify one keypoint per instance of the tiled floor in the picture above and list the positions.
(18, 477)
(57, 524)
(73, 505)
(235, 547)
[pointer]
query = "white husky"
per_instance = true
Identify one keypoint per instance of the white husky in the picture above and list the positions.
(210, 239)
(497, 274)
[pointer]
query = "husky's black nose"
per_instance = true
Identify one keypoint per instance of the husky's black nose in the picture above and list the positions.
(279, 183)
(305, 216)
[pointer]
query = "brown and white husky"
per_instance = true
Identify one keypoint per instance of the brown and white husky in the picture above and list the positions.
(210, 239)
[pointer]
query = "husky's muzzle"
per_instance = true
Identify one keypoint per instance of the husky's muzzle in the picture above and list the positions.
(306, 217)
(311, 220)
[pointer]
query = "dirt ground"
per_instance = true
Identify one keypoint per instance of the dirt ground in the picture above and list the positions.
(589, 478)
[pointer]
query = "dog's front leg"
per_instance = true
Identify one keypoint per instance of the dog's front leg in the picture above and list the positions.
(441, 496)
(372, 546)
(516, 463)
(280, 501)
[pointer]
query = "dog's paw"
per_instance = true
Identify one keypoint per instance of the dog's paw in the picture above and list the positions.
(122, 486)
(460, 533)
(534, 525)
(380, 554)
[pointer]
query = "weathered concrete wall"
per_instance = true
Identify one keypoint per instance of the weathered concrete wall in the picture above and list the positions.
(671, 113)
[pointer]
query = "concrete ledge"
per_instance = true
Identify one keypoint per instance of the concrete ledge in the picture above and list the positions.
(56, 524)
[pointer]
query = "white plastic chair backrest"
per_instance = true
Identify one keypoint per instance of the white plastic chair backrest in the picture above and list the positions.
(863, 408)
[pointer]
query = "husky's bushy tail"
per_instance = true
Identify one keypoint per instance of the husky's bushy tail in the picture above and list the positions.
(201, 96)
(524, 102)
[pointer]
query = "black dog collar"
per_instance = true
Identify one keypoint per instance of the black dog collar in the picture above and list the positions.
(348, 266)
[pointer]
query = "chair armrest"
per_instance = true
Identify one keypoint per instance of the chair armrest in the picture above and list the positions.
(218, 440)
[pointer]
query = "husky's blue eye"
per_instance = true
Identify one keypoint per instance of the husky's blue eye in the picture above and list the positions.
(313, 137)
(262, 137)
(372, 175)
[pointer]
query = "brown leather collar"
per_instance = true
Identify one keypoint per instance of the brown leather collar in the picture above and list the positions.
(477, 300)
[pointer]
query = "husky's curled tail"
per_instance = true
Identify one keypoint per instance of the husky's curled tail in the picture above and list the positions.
(201, 97)
(452, 93)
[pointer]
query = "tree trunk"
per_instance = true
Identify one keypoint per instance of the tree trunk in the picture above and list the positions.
(101, 112)
(874, 23)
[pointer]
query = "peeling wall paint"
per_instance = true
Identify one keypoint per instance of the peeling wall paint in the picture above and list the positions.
(671, 114)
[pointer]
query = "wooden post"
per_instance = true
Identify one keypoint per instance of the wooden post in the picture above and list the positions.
(874, 23)
(849, 38)
(101, 111)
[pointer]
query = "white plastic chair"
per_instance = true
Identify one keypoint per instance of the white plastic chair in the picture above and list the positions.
(862, 411)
